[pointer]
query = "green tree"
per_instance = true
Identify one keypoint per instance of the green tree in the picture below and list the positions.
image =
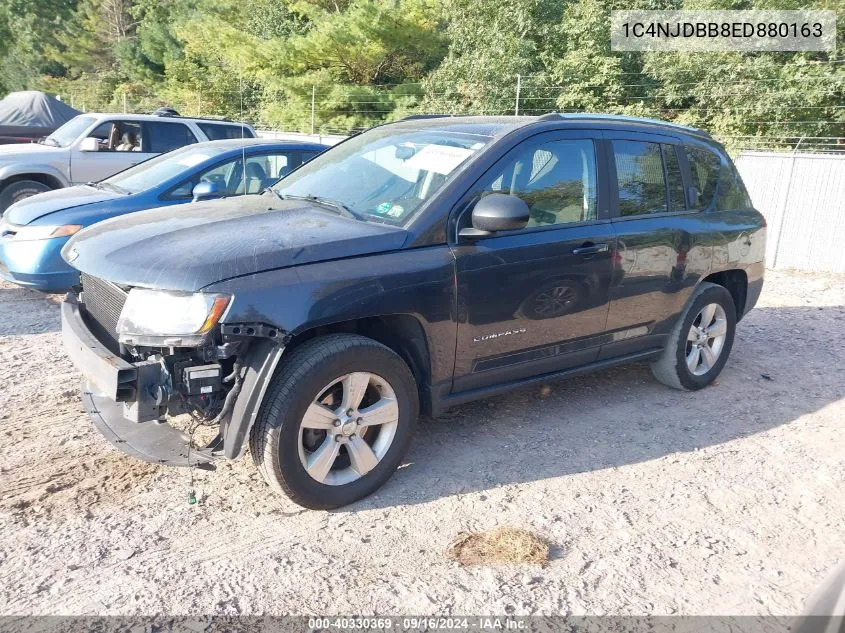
(489, 44)
(31, 29)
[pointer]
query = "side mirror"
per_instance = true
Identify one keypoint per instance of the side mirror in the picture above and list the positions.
(497, 212)
(207, 190)
(89, 144)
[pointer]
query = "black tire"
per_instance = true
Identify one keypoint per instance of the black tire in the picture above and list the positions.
(18, 190)
(275, 438)
(671, 368)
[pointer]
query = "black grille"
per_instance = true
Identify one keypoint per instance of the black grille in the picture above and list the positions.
(103, 302)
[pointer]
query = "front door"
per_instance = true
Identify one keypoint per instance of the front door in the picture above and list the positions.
(535, 300)
(121, 145)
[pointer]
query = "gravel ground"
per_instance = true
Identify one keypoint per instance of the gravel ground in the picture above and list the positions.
(725, 501)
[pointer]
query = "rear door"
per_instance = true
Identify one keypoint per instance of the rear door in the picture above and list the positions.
(663, 241)
(535, 300)
(165, 136)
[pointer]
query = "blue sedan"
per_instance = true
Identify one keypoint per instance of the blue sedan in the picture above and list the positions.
(34, 230)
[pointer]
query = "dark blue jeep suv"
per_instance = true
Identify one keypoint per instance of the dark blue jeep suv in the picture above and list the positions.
(418, 265)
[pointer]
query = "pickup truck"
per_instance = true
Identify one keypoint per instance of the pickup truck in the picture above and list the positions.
(91, 147)
(414, 267)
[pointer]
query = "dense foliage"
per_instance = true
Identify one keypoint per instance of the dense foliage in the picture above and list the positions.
(367, 61)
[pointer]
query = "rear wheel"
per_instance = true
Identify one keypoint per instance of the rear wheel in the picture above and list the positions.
(700, 342)
(18, 190)
(337, 421)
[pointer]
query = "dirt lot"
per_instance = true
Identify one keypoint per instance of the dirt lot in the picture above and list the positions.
(725, 501)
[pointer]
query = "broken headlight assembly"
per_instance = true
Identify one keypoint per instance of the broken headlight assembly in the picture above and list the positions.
(161, 318)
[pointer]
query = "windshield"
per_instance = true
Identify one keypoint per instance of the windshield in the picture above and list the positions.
(156, 170)
(70, 131)
(384, 174)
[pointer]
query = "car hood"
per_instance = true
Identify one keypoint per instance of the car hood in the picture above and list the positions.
(27, 151)
(203, 243)
(43, 204)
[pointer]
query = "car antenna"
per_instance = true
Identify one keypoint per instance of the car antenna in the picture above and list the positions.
(243, 142)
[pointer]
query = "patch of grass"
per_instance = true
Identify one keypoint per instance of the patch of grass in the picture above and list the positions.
(502, 545)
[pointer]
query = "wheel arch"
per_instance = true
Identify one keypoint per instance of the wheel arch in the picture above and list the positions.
(402, 333)
(49, 179)
(735, 281)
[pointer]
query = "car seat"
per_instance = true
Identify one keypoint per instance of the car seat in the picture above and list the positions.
(255, 177)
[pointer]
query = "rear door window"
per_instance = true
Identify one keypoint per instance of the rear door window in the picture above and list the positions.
(640, 179)
(221, 131)
(165, 137)
(648, 178)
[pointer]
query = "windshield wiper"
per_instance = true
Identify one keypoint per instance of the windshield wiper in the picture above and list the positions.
(339, 207)
(52, 142)
(105, 184)
(100, 186)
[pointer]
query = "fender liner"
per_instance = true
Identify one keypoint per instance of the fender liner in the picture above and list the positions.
(263, 357)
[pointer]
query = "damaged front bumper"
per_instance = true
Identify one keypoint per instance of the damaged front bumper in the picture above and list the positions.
(128, 404)
(152, 441)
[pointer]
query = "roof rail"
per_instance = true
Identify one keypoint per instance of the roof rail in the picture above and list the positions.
(412, 117)
(555, 116)
(217, 119)
(169, 112)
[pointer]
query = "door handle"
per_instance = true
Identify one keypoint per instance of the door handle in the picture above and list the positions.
(588, 248)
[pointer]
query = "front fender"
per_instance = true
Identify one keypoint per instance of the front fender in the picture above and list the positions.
(37, 169)
(418, 283)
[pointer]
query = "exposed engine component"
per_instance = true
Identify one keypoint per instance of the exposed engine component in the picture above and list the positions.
(202, 379)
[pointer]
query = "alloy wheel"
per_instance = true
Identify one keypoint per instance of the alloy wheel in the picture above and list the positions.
(348, 428)
(706, 339)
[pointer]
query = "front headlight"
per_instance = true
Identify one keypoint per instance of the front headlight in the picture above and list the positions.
(169, 319)
(42, 232)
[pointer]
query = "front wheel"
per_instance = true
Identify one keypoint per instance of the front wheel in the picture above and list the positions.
(18, 190)
(338, 418)
(700, 342)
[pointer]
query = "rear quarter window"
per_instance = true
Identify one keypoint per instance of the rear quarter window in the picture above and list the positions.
(705, 167)
(719, 184)
(732, 193)
(222, 131)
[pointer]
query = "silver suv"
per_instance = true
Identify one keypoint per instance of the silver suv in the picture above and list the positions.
(91, 147)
